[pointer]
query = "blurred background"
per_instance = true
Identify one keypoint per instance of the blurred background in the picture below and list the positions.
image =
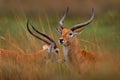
(102, 36)
(52, 7)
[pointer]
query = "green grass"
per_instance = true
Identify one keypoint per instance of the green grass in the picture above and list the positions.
(102, 36)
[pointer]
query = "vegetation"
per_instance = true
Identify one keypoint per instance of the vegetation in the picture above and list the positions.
(102, 36)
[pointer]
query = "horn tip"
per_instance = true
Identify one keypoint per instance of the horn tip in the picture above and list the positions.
(67, 8)
(93, 10)
(28, 21)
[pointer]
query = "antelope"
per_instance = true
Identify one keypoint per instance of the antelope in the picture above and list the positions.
(49, 48)
(76, 57)
(43, 54)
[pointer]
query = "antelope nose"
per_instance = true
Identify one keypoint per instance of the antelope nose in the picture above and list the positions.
(61, 40)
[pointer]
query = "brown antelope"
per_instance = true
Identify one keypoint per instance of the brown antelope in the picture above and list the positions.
(43, 54)
(76, 57)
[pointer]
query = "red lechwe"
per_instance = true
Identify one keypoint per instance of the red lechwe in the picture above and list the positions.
(41, 55)
(79, 59)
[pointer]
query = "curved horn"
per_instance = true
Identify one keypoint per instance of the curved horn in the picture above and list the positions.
(85, 23)
(63, 18)
(47, 37)
(36, 35)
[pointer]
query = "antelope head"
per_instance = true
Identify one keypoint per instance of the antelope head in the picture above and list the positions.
(69, 35)
(50, 46)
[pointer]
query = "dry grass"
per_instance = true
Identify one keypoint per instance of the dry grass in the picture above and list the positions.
(101, 37)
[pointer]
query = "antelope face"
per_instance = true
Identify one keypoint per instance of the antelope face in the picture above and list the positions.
(51, 49)
(68, 35)
(56, 51)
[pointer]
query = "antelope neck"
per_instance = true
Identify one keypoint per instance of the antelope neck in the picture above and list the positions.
(71, 51)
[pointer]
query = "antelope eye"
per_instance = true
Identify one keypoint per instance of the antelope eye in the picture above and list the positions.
(70, 34)
(56, 51)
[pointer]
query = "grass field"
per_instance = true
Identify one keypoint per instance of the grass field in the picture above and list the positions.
(101, 37)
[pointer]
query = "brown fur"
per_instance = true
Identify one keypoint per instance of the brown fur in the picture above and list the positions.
(14, 56)
(79, 59)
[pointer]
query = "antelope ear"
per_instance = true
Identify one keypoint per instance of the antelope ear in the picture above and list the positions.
(78, 31)
(45, 47)
(51, 47)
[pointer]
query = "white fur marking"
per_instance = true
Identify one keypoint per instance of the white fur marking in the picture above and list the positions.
(45, 47)
(65, 50)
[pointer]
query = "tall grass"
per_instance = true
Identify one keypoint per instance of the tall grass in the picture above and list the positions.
(101, 37)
